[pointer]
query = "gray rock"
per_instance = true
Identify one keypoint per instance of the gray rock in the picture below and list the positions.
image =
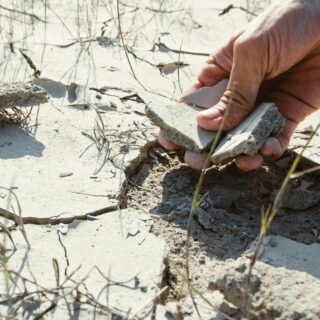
(21, 94)
(207, 96)
(282, 287)
(179, 124)
(249, 136)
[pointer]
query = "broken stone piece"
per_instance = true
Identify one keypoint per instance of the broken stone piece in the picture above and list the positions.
(284, 283)
(249, 136)
(179, 124)
(207, 96)
(21, 94)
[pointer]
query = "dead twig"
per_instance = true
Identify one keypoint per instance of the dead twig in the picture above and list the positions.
(17, 218)
(31, 65)
(31, 15)
(161, 44)
(231, 6)
(53, 221)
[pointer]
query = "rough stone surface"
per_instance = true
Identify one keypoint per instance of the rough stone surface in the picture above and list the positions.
(207, 96)
(21, 94)
(249, 136)
(118, 244)
(282, 287)
(178, 122)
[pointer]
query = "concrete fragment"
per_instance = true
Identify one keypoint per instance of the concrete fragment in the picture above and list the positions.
(179, 124)
(249, 136)
(284, 286)
(109, 243)
(21, 94)
(207, 96)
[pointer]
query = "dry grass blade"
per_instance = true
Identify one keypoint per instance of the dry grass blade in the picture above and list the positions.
(14, 116)
(18, 219)
(201, 179)
(125, 47)
(31, 15)
(56, 270)
(43, 313)
(299, 174)
(101, 130)
(115, 282)
(179, 80)
(8, 233)
(193, 288)
(149, 302)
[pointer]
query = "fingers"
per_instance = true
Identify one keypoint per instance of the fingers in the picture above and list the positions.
(272, 149)
(247, 163)
(195, 160)
(217, 68)
(247, 73)
(167, 144)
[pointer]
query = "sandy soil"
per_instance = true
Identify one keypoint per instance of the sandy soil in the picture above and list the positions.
(229, 217)
(61, 169)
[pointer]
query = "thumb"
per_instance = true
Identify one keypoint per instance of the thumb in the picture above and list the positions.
(245, 79)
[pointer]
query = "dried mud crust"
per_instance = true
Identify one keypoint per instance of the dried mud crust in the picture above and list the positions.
(228, 218)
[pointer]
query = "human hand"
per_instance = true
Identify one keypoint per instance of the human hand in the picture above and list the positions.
(276, 58)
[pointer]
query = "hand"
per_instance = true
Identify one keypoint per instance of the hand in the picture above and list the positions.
(276, 58)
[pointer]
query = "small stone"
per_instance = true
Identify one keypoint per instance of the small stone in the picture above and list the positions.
(65, 174)
(205, 219)
(249, 136)
(21, 94)
(228, 308)
(179, 124)
(315, 232)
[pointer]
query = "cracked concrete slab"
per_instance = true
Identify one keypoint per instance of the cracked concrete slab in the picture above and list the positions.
(284, 284)
(21, 94)
(178, 122)
(63, 167)
(120, 266)
(283, 252)
(249, 136)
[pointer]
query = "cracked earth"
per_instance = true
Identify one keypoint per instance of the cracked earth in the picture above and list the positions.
(94, 221)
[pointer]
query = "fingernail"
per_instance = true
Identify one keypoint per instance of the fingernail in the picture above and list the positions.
(271, 147)
(211, 113)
